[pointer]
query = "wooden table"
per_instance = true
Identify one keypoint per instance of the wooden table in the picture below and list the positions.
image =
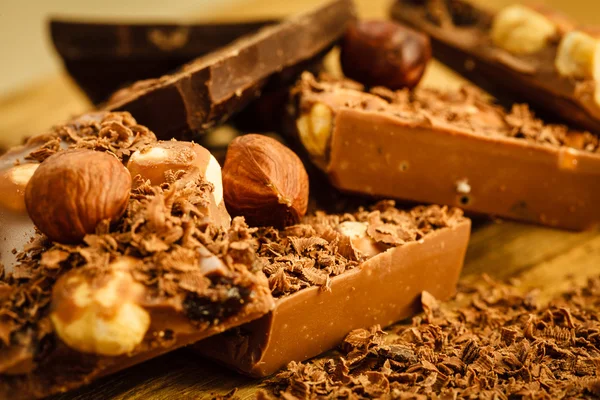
(539, 257)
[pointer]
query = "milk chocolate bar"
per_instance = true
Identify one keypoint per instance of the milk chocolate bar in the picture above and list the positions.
(211, 88)
(103, 57)
(532, 54)
(172, 270)
(326, 285)
(454, 148)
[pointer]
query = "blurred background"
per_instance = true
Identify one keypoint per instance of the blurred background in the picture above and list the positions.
(31, 73)
(27, 50)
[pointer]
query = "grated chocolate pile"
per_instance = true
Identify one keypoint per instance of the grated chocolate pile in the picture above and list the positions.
(309, 254)
(467, 109)
(116, 132)
(492, 343)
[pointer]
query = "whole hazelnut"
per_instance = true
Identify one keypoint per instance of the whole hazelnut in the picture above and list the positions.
(264, 181)
(71, 192)
(384, 53)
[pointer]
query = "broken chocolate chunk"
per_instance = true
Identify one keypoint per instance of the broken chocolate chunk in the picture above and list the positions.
(521, 52)
(209, 89)
(479, 156)
(103, 57)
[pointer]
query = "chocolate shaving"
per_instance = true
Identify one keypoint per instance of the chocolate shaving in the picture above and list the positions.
(310, 253)
(466, 109)
(115, 132)
(492, 342)
(231, 395)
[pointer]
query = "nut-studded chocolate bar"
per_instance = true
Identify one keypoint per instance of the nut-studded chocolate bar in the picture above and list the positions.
(132, 254)
(333, 273)
(211, 88)
(102, 57)
(455, 148)
(535, 54)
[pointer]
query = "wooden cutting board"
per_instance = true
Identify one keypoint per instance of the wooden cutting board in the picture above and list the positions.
(539, 257)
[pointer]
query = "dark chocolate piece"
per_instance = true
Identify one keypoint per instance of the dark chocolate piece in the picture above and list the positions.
(167, 274)
(454, 148)
(208, 90)
(323, 291)
(103, 57)
(460, 35)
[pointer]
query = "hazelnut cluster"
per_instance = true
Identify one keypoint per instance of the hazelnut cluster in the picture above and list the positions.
(73, 192)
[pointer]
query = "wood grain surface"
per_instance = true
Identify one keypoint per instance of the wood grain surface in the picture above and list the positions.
(537, 257)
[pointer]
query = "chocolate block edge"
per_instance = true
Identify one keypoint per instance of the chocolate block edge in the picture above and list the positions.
(124, 39)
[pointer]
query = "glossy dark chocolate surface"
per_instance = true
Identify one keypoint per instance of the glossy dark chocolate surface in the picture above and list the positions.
(209, 89)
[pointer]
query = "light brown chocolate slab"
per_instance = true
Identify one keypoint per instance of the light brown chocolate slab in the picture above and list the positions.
(382, 290)
(458, 149)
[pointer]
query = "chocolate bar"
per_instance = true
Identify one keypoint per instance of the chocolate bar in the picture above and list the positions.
(169, 272)
(103, 57)
(533, 54)
(335, 273)
(455, 148)
(211, 88)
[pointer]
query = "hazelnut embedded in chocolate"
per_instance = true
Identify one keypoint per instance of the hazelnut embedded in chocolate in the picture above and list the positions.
(169, 161)
(71, 192)
(314, 129)
(99, 312)
(384, 53)
(578, 55)
(264, 181)
(519, 29)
